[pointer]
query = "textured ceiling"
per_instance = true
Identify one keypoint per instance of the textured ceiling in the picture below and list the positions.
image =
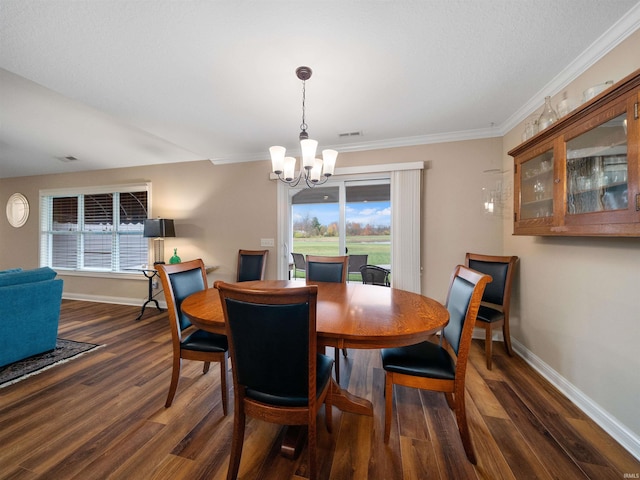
(122, 83)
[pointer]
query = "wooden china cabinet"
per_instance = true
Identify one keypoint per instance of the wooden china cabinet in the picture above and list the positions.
(581, 175)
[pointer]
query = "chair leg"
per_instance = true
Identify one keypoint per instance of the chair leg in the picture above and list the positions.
(311, 442)
(463, 428)
(507, 336)
(223, 384)
(205, 368)
(328, 411)
(175, 376)
(388, 405)
(237, 440)
(344, 352)
(488, 343)
(450, 400)
(337, 365)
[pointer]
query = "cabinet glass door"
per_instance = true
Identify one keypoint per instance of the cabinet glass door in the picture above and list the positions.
(597, 169)
(536, 192)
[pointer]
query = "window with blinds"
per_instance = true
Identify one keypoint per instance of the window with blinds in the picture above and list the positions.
(99, 230)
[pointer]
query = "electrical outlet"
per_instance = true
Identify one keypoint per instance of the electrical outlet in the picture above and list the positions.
(267, 242)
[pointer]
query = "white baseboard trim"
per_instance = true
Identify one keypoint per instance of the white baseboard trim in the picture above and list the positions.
(625, 437)
(116, 300)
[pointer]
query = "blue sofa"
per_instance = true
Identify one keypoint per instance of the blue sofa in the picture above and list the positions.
(30, 302)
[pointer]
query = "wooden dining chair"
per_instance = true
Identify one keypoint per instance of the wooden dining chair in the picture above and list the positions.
(179, 281)
(440, 367)
(251, 265)
(496, 301)
(334, 270)
(260, 325)
(327, 269)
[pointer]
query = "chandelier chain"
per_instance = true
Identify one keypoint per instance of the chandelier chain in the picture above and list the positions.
(303, 125)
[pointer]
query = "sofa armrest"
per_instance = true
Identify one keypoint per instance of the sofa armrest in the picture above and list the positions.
(29, 319)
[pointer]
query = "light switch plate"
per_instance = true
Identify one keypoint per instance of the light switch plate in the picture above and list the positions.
(267, 242)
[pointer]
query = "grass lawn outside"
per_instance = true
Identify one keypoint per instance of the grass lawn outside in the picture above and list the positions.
(378, 247)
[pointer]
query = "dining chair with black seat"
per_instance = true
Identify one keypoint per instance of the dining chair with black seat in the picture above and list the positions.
(496, 301)
(355, 262)
(329, 269)
(260, 325)
(440, 367)
(299, 263)
(251, 265)
(179, 281)
(375, 275)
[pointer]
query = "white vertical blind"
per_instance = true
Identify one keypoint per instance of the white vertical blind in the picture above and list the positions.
(405, 230)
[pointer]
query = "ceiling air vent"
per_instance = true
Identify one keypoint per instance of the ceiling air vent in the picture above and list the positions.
(68, 158)
(350, 134)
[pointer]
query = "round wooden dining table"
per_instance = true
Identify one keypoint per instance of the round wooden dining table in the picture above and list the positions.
(349, 315)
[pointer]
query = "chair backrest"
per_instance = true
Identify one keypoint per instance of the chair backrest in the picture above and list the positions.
(357, 261)
(298, 261)
(327, 269)
(374, 275)
(261, 324)
(501, 269)
(251, 265)
(463, 301)
(180, 280)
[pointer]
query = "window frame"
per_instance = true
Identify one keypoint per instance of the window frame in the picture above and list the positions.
(46, 233)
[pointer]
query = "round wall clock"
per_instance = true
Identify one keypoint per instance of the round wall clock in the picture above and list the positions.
(17, 210)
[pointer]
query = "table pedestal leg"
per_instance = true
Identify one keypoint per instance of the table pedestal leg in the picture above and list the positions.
(295, 435)
(347, 402)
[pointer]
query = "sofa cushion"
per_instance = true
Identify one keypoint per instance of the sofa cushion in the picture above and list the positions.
(11, 270)
(27, 276)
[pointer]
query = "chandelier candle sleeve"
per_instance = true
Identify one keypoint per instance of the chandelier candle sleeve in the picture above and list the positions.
(329, 161)
(289, 168)
(277, 159)
(308, 153)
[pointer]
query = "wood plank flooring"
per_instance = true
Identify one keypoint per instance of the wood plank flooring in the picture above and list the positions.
(102, 416)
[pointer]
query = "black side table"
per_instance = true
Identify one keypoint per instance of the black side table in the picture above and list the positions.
(150, 273)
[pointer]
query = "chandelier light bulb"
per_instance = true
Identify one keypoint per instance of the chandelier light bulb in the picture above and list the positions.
(329, 161)
(308, 147)
(289, 168)
(316, 171)
(277, 159)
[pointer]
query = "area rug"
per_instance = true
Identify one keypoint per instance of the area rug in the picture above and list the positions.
(65, 350)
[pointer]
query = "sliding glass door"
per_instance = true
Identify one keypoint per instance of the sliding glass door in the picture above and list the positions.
(343, 217)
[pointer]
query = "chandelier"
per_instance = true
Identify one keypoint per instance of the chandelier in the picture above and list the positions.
(315, 171)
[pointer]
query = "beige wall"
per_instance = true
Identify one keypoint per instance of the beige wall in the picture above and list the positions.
(221, 208)
(577, 302)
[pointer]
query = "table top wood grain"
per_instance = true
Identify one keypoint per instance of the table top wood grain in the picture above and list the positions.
(351, 315)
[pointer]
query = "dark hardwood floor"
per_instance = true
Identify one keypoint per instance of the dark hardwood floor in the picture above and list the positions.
(102, 416)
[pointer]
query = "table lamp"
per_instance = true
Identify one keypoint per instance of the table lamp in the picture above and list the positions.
(158, 229)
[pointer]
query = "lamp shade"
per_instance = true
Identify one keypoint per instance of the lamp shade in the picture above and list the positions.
(159, 228)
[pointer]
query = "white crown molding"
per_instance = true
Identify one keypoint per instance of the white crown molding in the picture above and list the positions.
(622, 29)
(382, 144)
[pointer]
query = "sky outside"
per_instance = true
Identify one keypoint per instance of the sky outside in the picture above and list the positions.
(372, 213)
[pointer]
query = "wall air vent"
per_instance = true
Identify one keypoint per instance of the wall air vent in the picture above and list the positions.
(350, 134)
